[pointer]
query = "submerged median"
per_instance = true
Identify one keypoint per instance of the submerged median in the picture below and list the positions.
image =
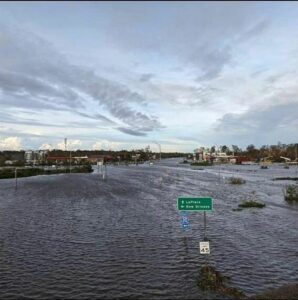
(27, 172)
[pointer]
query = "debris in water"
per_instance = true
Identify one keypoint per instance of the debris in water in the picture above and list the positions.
(212, 280)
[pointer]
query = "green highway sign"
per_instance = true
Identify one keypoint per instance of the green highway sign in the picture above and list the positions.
(188, 203)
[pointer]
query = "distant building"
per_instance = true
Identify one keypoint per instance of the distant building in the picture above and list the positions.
(36, 157)
(79, 159)
(29, 156)
(202, 154)
(17, 156)
(94, 158)
(58, 159)
(240, 160)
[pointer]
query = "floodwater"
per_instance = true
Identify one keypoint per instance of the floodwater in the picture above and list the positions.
(79, 236)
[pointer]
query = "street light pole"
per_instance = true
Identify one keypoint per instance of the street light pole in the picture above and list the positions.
(69, 161)
(218, 162)
(296, 160)
(159, 146)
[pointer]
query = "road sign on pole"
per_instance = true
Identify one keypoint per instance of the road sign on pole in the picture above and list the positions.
(195, 204)
(185, 221)
(204, 248)
(185, 204)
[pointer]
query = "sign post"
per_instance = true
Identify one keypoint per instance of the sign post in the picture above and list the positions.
(197, 204)
(204, 248)
(185, 221)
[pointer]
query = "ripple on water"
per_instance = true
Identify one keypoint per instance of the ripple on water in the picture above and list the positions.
(76, 236)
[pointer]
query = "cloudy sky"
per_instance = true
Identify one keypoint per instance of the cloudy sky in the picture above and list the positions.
(122, 75)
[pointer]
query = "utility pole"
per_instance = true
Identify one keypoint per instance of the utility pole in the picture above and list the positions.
(65, 144)
(205, 225)
(16, 178)
(296, 159)
(69, 161)
(219, 163)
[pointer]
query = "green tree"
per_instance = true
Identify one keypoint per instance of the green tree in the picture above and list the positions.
(225, 149)
(236, 149)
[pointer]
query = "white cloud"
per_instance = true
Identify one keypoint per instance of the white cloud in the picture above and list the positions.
(147, 71)
(10, 143)
(106, 145)
(46, 146)
(71, 145)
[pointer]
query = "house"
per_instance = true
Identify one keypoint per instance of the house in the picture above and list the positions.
(94, 158)
(241, 160)
(35, 157)
(58, 159)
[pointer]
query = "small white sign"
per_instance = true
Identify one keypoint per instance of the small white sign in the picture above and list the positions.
(204, 248)
(99, 163)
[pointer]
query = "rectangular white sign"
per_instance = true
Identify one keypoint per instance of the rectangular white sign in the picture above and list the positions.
(99, 163)
(204, 248)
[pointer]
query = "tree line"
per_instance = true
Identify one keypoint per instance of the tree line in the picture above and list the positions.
(273, 152)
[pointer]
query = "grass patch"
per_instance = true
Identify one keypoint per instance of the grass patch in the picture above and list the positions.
(236, 180)
(286, 178)
(201, 163)
(291, 193)
(28, 172)
(251, 203)
(212, 280)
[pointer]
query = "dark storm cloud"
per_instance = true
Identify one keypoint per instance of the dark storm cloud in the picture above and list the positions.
(131, 131)
(32, 69)
(95, 117)
(211, 61)
(10, 119)
(262, 125)
(255, 30)
(146, 77)
(202, 35)
(17, 84)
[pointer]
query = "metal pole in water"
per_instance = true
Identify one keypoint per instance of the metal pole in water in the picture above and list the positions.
(70, 161)
(16, 178)
(205, 238)
(104, 173)
(296, 160)
(205, 235)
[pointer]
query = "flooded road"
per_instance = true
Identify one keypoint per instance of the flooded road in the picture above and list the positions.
(78, 236)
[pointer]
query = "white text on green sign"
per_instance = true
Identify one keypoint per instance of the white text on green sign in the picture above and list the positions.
(189, 203)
